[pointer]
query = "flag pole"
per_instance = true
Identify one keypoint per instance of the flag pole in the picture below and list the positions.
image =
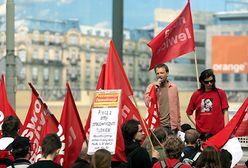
(196, 70)
(142, 120)
(39, 97)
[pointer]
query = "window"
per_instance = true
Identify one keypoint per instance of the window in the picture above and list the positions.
(87, 44)
(57, 56)
(98, 33)
(237, 33)
(97, 71)
(182, 60)
(89, 32)
(22, 73)
(22, 55)
(237, 77)
(56, 75)
(57, 39)
(34, 73)
(35, 54)
(46, 57)
(87, 72)
(73, 39)
(97, 43)
(225, 33)
(106, 34)
(46, 74)
(46, 38)
(36, 36)
(199, 27)
(73, 57)
(225, 77)
(87, 57)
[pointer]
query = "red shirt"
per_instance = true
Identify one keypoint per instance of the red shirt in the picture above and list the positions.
(170, 163)
(208, 107)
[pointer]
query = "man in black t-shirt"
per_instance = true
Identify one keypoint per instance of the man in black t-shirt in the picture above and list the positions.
(50, 148)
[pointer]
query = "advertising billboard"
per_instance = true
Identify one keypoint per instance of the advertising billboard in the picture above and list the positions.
(230, 54)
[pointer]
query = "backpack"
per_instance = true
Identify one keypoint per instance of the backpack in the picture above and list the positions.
(163, 164)
(192, 159)
(6, 157)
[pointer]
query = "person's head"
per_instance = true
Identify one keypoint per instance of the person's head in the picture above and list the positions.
(101, 159)
(185, 127)
(160, 134)
(11, 126)
(205, 136)
(225, 158)
(161, 71)
(50, 145)
(83, 160)
(173, 147)
(21, 148)
(207, 79)
(209, 158)
(191, 136)
(131, 130)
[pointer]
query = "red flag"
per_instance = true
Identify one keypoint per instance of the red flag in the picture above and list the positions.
(71, 132)
(242, 128)
(115, 73)
(5, 107)
(153, 118)
(100, 83)
(129, 111)
(175, 40)
(233, 127)
(39, 122)
(113, 77)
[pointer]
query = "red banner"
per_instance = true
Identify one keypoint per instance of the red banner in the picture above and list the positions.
(5, 107)
(71, 132)
(237, 126)
(113, 76)
(153, 117)
(175, 40)
(38, 123)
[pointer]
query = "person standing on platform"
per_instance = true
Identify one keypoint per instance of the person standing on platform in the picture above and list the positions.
(209, 104)
(168, 99)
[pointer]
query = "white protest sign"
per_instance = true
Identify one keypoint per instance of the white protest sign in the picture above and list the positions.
(104, 121)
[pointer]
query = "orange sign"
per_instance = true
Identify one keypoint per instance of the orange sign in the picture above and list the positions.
(107, 98)
(230, 54)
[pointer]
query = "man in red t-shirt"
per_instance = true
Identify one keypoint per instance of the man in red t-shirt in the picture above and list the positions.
(210, 105)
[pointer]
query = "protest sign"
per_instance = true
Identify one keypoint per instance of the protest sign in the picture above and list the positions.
(104, 121)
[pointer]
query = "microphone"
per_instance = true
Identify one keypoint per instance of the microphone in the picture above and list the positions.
(159, 80)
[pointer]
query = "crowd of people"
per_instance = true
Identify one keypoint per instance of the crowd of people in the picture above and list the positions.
(172, 145)
(168, 150)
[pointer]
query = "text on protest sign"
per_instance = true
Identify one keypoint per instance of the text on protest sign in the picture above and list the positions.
(104, 121)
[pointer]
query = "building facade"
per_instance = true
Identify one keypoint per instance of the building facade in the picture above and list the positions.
(53, 52)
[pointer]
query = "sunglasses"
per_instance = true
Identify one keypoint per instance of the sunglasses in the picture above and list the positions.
(207, 82)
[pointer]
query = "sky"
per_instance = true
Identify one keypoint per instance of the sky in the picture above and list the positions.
(137, 13)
